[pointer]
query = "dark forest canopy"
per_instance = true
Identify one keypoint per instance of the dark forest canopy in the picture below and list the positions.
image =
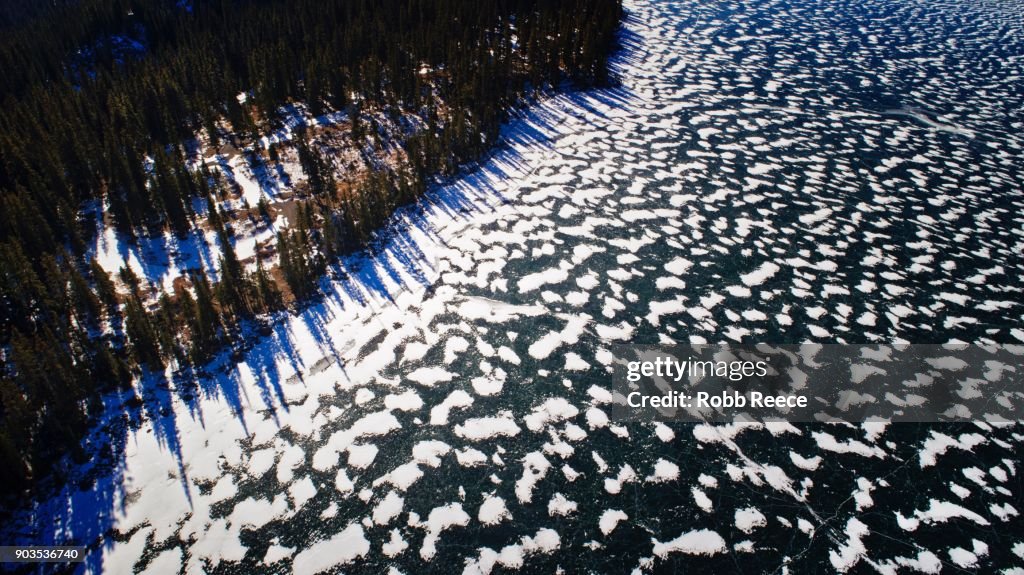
(91, 87)
(99, 98)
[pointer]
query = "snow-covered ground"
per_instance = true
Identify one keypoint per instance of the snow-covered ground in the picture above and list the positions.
(247, 176)
(445, 406)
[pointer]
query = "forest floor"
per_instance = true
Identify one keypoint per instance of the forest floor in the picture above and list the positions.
(266, 169)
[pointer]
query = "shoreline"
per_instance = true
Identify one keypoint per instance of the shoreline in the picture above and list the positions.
(372, 292)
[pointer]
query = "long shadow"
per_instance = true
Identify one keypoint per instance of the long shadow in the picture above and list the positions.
(270, 182)
(196, 242)
(412, 258)
(398, 259)
(363, 277)
(84, 511)
(158, 405)
(158, 254)
(85, 508)
(218, 380)
(152, 271)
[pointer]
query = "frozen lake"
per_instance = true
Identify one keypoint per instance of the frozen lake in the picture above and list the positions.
(778, 171)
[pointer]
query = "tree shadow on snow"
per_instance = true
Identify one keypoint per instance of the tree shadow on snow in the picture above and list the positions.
(268, 360)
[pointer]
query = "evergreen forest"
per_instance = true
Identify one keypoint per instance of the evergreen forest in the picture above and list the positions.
(101, 101)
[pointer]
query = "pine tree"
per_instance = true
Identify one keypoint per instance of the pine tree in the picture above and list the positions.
(197, 335)
(108, 368)
(127, 275)
(207, 334)
(168, 189)
(84, 301)
(142, 335)
(213, 215)
(263, 208)
(232, 288)
(268, 295)
(165, 321)
(104, 287)
(111, 134)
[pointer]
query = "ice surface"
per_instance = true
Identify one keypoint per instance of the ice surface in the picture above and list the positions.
(340, 549)
(743, 181)
(699, 542)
